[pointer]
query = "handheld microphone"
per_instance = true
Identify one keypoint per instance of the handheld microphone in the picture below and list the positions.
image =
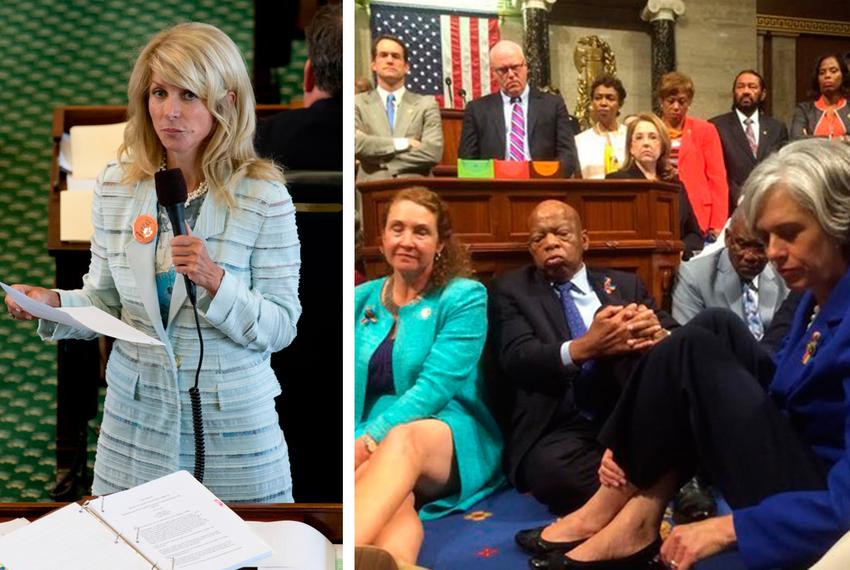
(171, 193)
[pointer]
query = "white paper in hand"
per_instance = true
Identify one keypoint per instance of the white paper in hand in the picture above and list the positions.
(84, 318)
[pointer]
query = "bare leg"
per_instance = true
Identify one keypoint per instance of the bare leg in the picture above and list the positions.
(418, 455)
(402, 536)
(633, 528)
(597, 512)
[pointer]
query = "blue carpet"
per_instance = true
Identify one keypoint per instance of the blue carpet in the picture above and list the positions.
(483, 537)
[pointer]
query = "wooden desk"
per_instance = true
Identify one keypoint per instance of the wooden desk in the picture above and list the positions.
(633, 225)
(80, 364)
(326, 518)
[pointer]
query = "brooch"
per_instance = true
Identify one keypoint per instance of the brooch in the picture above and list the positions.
(811, 347)
(144, 229)
(369, 316)
(425, 313)
(609, 286)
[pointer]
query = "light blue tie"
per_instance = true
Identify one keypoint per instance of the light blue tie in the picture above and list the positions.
(751, 311)
(571, 312)
(391, 110)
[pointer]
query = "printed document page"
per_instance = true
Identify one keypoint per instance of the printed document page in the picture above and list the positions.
(175, 517)
(84, 318)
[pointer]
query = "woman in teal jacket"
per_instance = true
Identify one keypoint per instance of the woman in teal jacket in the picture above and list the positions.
(425, 440)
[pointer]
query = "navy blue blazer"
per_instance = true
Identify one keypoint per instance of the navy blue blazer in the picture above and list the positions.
(794, 526)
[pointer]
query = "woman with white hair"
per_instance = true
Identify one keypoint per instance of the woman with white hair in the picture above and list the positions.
(191, 107)
(771, 431)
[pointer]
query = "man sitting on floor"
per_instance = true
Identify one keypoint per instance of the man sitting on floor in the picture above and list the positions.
(736, 277)
(565, 338)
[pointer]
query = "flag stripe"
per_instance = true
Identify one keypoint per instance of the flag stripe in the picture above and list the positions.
(457, 70)
(448, 65)
(494, 38)
(475, 68)
(467, 56)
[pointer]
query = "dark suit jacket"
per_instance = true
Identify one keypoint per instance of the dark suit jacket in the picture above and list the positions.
(688, 226)
(737, 155)
(550, 136)
(527, 328)
(304, 139)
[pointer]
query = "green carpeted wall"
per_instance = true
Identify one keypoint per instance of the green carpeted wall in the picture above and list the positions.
(59, 52)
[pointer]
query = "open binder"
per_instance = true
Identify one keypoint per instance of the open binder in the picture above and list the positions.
(171, 522)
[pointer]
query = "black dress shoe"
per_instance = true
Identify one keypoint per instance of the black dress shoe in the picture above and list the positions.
(693, 503)
(644, 559)
(531, 541)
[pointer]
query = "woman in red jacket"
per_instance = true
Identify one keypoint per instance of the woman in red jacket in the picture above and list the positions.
(696, 152)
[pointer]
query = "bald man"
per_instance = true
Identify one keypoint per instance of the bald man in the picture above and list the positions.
(518, 122)
(565, 337)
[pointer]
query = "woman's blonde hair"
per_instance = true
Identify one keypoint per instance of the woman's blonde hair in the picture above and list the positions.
(663, 168)
(204, 60)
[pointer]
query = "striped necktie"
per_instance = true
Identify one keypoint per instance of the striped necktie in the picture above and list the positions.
(516, 140)
(751, 311)
(751, 136)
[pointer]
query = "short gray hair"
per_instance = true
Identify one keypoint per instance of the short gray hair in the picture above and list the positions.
(816, 173)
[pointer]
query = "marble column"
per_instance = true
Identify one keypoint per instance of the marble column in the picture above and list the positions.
(535, 14)
(661, 15)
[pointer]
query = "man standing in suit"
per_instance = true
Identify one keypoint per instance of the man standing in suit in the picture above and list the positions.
(747, 134)
(397, 132)
(310, 138)
(565, 337)
(518, 122)
(736, 277)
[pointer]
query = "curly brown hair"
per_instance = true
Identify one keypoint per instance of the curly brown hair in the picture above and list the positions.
(453, 261)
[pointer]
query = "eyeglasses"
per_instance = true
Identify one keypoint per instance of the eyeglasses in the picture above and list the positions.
(506, 69)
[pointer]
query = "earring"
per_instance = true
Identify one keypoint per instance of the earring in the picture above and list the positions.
(438, 256)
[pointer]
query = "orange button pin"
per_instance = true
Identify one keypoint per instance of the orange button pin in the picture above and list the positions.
(144, 229)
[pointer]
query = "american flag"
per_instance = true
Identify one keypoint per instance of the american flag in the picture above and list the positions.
(448, 52)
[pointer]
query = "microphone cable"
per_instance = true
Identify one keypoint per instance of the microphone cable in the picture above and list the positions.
(195, 400)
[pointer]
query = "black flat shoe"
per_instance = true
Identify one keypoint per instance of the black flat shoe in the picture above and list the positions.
(644, 559)
(693, 503)
(531, 541)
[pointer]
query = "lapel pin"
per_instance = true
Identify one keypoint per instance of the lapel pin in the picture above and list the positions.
(609, 286)
(144, 228)
(369, 316)
(811, 347)
(426, 312)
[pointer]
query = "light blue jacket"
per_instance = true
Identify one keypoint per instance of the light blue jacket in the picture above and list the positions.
(146, 430)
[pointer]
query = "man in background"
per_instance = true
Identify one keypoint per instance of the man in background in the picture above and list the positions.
(307, 142)
(518, 122)
(397, 132)
(747, 133)
(311, 138)
(736, 277)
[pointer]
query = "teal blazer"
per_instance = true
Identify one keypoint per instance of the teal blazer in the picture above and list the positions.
(436, 374)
